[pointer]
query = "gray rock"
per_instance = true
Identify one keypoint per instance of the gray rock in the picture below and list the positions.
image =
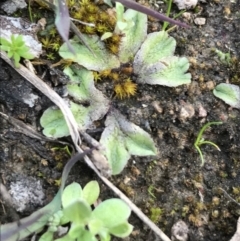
(26, 191)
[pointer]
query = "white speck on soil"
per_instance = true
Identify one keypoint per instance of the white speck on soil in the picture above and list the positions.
(30, 99)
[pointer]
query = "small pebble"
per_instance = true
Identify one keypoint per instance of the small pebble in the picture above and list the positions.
(200, 21)
(186, 111)
(157, 106)
(210, 85)
(187, 15)
(201, 111)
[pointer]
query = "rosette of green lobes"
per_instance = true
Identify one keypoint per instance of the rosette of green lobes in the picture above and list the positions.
(154, 63)
(122, 139)
(90, 104)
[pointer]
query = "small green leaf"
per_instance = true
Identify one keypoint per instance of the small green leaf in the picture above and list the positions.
(10, 53)
(71, 193)
(137, 141)
(47, 236)
(229, 93)
(101, 59)
(16, 58)
(94, 105)
(65, 238)
(112, 212)
(13, 37)
(134, 31)
(87, 236)
(119, 12)
(95, 226)
(26, 55)
(122, 230)
(4, 48)
(79, 211)
(76, 230)
(5, 42)
(18, 42)
(91, 192)
(117, 155)
(104, 235)
(54, 123)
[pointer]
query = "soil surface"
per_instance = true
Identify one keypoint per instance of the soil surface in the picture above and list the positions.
(170, 187)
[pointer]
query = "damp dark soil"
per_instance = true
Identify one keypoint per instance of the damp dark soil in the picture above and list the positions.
(172, 186)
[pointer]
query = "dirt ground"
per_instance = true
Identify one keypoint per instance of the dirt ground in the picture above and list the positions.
(172, 186)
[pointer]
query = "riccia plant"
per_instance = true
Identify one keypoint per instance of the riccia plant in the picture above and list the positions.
(153, 62)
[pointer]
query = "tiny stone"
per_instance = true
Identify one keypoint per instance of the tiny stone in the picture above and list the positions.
(186, 111)
(210, 85)
(25, 192)
(157, 106)
(201, 111)
(200, 21)
(187, 15)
